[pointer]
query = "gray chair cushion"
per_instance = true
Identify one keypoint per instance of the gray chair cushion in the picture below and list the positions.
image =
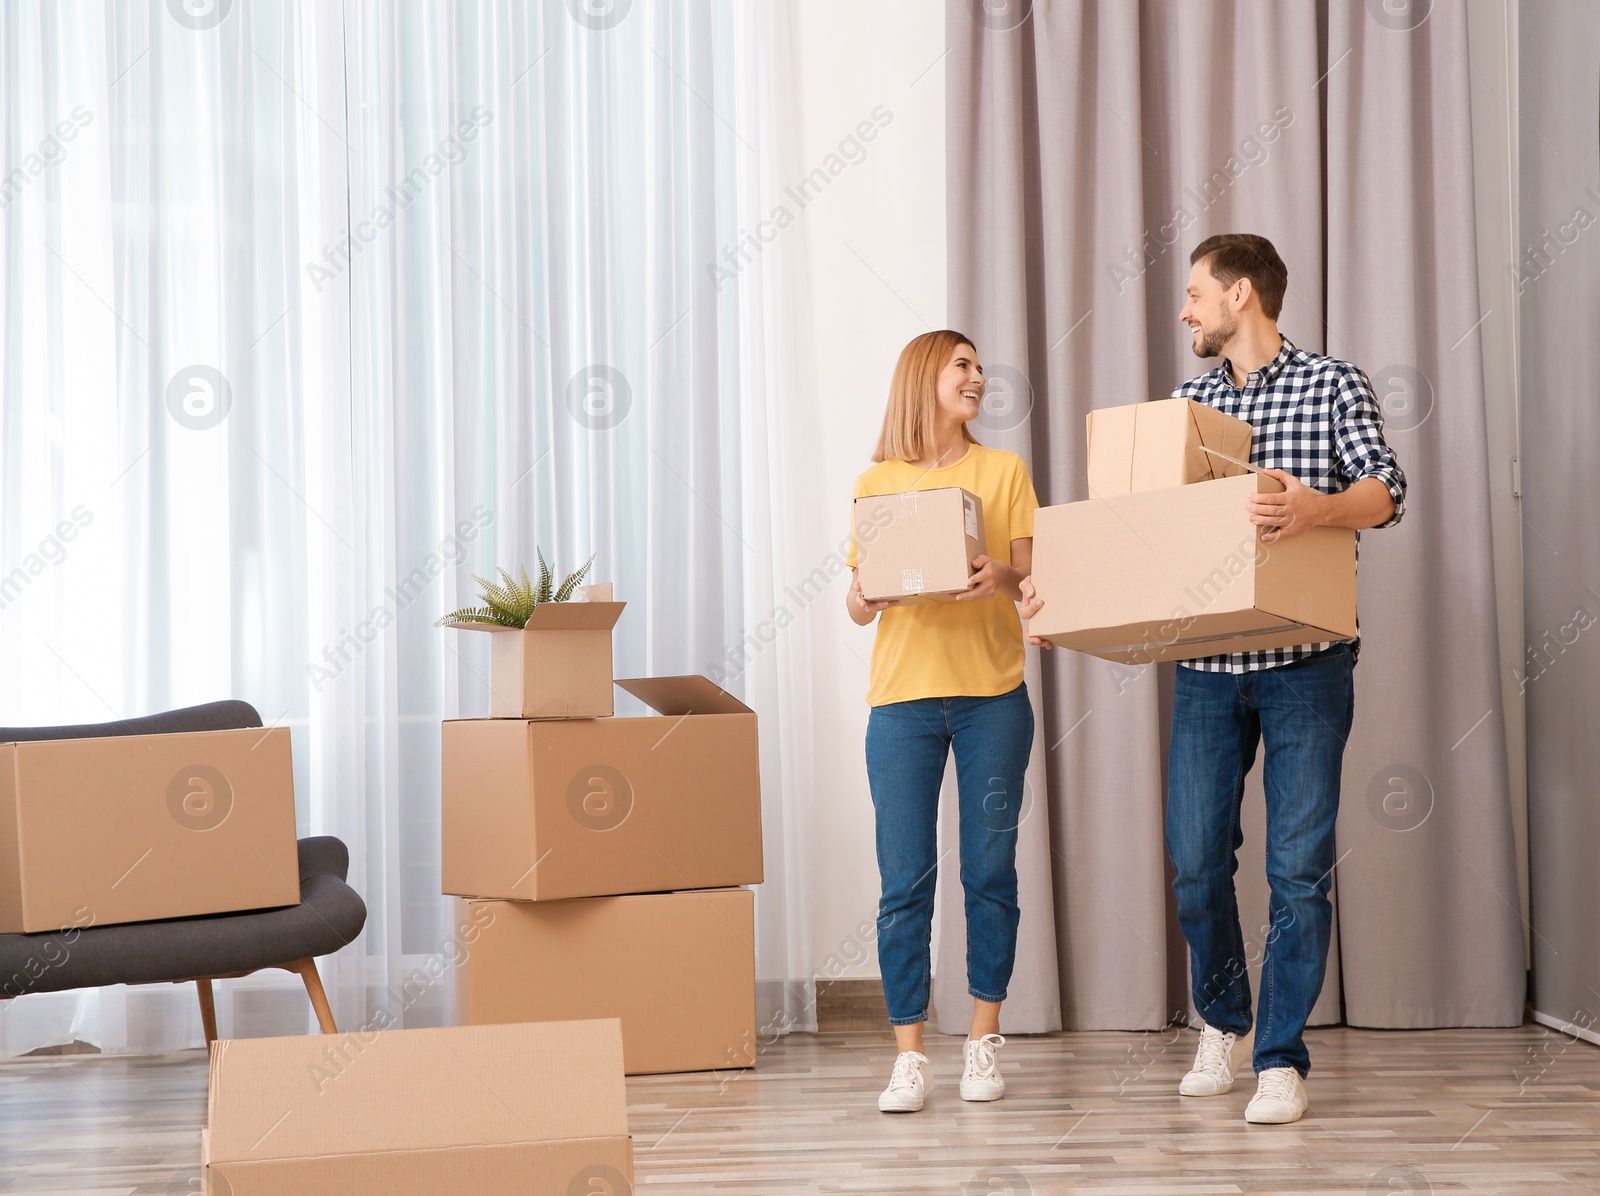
(330, 914)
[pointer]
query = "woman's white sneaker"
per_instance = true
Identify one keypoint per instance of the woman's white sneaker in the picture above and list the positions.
(1212, 1073)
(909, 1084)
(1280, 1098)
(981, 1080)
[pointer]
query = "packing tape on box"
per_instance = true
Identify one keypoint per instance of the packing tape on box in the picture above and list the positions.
(911, 581)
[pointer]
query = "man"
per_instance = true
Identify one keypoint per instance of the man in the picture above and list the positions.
(1317, 429)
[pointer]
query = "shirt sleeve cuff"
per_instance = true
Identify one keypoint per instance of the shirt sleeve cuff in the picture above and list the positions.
(1397, 492)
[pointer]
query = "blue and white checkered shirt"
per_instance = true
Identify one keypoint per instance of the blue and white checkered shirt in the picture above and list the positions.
(1316, 418)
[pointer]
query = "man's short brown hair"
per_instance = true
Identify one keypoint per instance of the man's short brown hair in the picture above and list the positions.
(1245, 255)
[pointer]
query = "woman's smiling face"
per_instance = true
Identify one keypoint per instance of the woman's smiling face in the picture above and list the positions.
(961, 384)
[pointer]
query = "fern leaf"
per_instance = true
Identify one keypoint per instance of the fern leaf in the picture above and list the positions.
(573, 582)
(545, 578)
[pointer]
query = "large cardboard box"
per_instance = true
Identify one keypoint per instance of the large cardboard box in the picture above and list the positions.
(918, 544)
(677, 968)
(1181, 573)
(1150, 446)
(559, 665)
(132, 828)
(544, 810)
(491, 1110)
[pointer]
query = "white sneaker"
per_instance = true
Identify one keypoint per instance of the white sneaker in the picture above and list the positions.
(1214, 1064)
(909, 1084)
(981, 1080)
(1280, 1098)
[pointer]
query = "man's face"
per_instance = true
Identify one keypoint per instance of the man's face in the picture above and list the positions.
(1208, 310)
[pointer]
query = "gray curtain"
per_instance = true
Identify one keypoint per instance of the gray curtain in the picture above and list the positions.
(1558, 279)
(1090, 146)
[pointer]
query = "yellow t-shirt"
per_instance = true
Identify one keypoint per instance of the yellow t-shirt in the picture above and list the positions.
(954, 649)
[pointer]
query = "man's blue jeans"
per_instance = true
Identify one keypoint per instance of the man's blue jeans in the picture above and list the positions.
(907, 744)
(1301, 713)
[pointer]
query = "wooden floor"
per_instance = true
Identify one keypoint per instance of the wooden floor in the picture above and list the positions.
(1481, 1111)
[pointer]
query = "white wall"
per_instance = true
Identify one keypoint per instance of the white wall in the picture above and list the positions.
(875, 255)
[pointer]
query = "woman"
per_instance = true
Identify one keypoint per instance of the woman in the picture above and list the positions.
(947, 674)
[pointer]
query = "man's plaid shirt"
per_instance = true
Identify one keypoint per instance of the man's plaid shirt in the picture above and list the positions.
(1316, 418)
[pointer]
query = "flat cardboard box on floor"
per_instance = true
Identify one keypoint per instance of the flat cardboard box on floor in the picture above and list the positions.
(918, 544)
(559, 665)
(677, 968)
(1150, 446)
(133, 828)
(1182, 573)
(491, 1110)
(538, 811)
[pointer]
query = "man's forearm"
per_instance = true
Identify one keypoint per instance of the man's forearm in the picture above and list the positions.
(1366, 504)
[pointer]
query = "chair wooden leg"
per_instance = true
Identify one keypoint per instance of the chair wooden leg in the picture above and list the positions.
(208, 1010)
(319, 999)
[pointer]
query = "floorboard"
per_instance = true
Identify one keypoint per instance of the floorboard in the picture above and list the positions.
(1480, 1111)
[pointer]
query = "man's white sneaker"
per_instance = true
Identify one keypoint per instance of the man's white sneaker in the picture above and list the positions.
(981, 1079)
(1214, 1063)
(1280, 1098)
(909, 1084)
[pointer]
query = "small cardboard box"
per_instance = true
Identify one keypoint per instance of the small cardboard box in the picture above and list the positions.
(918, 544)
(538, 811)
(1181, 573)
(677, 968)
(139, 827)
(559, 665)
(1150, 446)
(492, 1110)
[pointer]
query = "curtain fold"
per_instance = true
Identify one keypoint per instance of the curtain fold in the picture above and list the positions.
(451, 265)
(1102, 142)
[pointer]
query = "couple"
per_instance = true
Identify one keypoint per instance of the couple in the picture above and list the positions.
(948, 675)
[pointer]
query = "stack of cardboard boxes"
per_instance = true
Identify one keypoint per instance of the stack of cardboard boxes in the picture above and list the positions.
(1163, 563)
(599, 860)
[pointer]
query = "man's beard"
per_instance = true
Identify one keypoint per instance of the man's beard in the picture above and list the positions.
(1211, 343)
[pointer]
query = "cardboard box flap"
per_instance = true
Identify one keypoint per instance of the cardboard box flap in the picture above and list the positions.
(378, 1091)
(683, 695)
(562, 616)
(1221, 432)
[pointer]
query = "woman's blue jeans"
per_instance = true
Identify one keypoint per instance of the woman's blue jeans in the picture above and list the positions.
(907, 745)
(1301, 714)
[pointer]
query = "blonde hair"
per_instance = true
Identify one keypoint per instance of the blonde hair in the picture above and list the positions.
(910, 419)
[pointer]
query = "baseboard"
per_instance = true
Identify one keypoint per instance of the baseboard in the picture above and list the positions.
(75, 1047)
(853, 1005)
(1554, 1023)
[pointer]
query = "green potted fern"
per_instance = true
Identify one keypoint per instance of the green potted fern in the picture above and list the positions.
(551, 652)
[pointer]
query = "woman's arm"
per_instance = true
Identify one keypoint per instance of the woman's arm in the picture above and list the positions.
(861, 611)
(995, 577)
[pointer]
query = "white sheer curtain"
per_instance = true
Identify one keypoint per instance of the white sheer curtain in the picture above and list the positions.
(452, 265)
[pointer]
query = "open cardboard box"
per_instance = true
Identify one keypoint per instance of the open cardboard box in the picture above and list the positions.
(559, 665)
(1151, 446)
(1181, 573)
(133, 828)
(544, 810)
(677, 968)
(918, 544)
(491, 1110)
